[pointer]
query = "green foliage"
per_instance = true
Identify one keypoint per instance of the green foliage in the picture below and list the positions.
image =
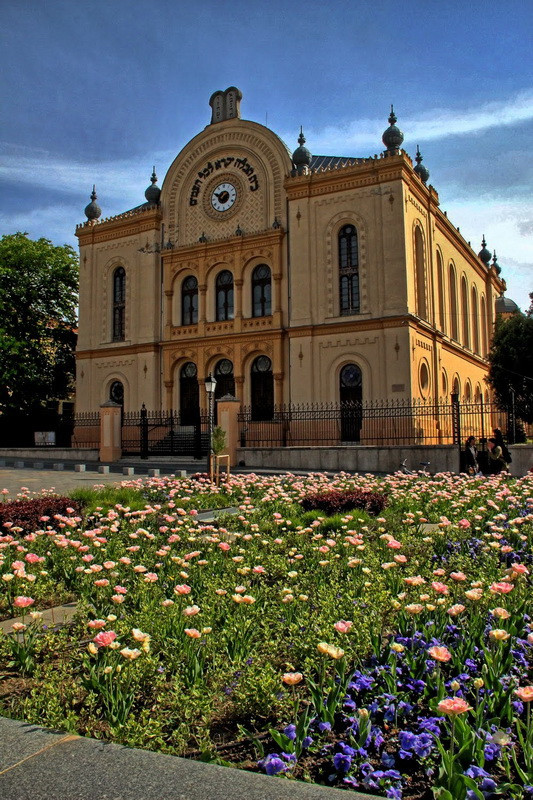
(511, 364)
(38, 297)
(108, 497)
(219, 440)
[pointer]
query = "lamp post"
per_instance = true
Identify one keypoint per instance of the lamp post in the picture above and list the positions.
(210, 384)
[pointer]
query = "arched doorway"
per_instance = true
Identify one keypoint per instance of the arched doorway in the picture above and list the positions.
(189, 394)
(351, 396)
(225, 380)
(262, 389)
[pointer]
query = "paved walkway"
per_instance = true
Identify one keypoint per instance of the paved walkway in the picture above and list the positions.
(37, 764)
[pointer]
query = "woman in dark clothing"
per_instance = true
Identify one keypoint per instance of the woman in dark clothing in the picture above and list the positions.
(497, 462)
(498, 438)
(471, 463)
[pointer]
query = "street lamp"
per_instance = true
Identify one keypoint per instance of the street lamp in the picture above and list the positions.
(210, 384)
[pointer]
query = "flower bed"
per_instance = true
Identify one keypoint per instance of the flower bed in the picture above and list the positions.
(376, 653)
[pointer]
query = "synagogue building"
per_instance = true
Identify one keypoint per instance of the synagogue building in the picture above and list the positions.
(291, 277)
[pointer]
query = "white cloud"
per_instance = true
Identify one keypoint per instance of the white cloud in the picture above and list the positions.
(437, 123)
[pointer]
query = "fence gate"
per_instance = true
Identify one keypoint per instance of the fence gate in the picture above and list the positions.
(162, 433)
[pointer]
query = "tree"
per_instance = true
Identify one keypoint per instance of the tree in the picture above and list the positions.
(511, 364)
(38, 299)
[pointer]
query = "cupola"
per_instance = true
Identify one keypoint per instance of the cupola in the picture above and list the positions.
(153, 192)
(393, 137)
(93, 210)
(301, 158)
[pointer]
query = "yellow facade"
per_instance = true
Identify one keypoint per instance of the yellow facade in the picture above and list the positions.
(420, 308)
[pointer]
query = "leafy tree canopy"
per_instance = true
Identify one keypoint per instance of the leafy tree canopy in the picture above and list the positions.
(511, 364)
(38, 299)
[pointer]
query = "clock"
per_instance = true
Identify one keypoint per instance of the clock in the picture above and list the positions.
(223, 196)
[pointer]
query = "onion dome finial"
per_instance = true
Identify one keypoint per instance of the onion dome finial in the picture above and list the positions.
(301, 158)
(393, 137)
(495, 266)
(153, 192)
(484, 253)
(93, 210)
(421, 170)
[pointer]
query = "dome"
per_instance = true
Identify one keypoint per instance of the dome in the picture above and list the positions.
(420, 169)
(484, 253)
(301, 158)
(153, 192)
(504, 305)
(495, 265)
(392, 137)
(93, 210)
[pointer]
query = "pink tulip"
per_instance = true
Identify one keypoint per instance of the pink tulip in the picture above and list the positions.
(343, 626)
(104, 638)
(23, 602)
(453, 706)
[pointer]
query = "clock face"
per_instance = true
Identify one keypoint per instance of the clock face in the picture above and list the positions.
(223, 196)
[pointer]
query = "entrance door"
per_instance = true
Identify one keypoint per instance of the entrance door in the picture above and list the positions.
(351, 395)
(189, 395)
(225, 381)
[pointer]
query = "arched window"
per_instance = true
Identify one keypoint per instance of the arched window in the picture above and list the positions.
(224, 295)
(420, 270)
(262, 389)
(189, 301)
(483, 323)
(454, 327)
(475, 321)
(351, 395)
(464, 304)
(261, 291)
(189, 394)
(348, 270)
(440, 291)
(119, 304)
(116, 393)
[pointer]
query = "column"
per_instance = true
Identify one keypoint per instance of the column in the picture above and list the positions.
(110, 431)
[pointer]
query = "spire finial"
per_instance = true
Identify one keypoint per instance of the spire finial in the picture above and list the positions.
(301, 158)
(153, 192)
(421, 170)
(392, 137)
(93, 210)
(301, 137)
(484, 253)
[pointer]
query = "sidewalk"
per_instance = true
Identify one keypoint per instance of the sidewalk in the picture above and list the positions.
(37, 764)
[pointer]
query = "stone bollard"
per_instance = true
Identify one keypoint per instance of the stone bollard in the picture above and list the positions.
(128, 470)
(154, 473)
(183, 473)
(59, 467)
(79, 467)
(103, 470)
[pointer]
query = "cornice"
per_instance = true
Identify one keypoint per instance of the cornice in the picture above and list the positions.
(113, 352)
(233, 244)
(127, 224)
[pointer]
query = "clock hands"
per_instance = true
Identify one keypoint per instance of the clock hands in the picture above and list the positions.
(223, 196)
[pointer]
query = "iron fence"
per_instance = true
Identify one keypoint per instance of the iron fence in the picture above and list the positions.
(85, 430)
(379, 422)
(165, 433)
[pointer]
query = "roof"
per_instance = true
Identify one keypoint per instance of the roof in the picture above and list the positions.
(504, 305)
(330, 162)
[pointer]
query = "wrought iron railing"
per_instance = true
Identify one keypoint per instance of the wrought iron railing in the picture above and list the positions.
(376, 422)
(165, 433)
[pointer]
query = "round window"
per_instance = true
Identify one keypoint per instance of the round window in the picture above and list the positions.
(424, 377)
(116, 393)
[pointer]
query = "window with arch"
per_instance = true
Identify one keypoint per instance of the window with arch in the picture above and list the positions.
(224, 296)
(262, 389)
(351, 396)
(420, 271)
(474, 310)
(440, 291)
(189, 301)
(483, 323)
(189, 395)
(468, 392)
(261, 291)
(349, 300)
(456, 387)
(464, 305)
(454, 327)
(119, 304)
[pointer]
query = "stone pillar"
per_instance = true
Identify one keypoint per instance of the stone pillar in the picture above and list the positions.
(227, 410)
(110, 431)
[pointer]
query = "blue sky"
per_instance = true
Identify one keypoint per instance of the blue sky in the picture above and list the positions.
(98, 92)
